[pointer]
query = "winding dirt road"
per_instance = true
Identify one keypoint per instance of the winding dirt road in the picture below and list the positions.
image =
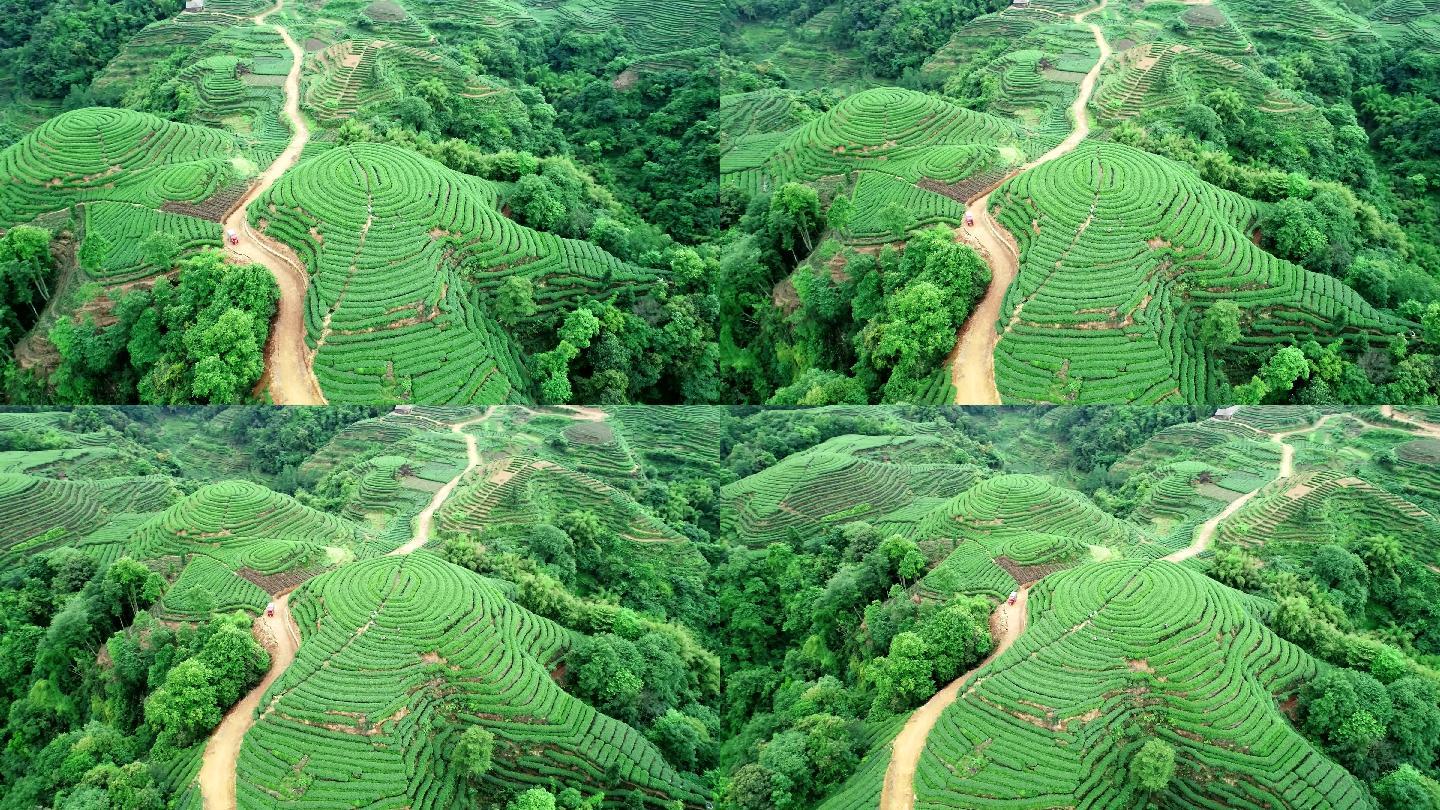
(1431, 431)
(972, 361)
(1201, 540)
(427, 515)
(222, 752)
(217, 764)
(288, 372)
(1006, 624)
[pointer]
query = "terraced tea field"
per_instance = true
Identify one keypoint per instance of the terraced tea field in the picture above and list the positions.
(1070, 316)
(348, 598)
(402, 319)
(1127, 331)
(893, 146)
(355, 216)
(1109, 646)
(420, 588)
(1113, 629)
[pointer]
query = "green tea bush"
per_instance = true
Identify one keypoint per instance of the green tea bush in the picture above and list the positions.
(421, 650)
(1121, 253)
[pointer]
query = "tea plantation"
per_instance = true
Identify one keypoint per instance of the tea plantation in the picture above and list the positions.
(1118, 654)
(445, 606)
(1252, 185)
(891, 146)
(1115, 316)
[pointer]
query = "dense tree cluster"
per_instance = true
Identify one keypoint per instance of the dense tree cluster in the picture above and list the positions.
(57, 46)
(862, 328)
(200, 338)
(96, 691)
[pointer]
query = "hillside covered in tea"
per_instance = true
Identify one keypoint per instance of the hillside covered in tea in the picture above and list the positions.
(640, 607)
(1210, 201)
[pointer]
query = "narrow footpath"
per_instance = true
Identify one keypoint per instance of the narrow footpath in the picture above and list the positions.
(288, 371)
(972, 361)
(1006, 624)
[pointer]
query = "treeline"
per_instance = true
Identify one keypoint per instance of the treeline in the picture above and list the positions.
(55, 47)
(100, 698)
(199, 338)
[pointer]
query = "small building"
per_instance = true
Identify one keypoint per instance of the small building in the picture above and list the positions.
(194, 5)
(1227, 413)
(404, 409)
(1020, 3)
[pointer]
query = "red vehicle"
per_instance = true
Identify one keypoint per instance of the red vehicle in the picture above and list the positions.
(969, 220)
(270, 609)
(232, 236)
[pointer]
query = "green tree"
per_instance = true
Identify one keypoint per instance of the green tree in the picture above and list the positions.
(160, 249)
(537, 203)
(751, 788)
(1430, 325)
(229, 361)
(533, 799)
(515, 301)
(606, 670)
(1220, 328)
(819, 387)
(235, 659)
(475, 752)
(841, 212)
(795, 216)
(1153, 766)
(680, 738)
(1406, 788)
(905, 676)
(1293, 228)
(957, 636)
(93, 253)
(121, 787)
(897, 219)
(184, 708)
(1284, 368)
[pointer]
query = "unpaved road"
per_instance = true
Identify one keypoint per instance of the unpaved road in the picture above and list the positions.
(1201, 541)
(427, 515)
(222, 752)
(217, 764)
(972, 361)
(1431, 431)
(1006, 624)
(288, 372)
